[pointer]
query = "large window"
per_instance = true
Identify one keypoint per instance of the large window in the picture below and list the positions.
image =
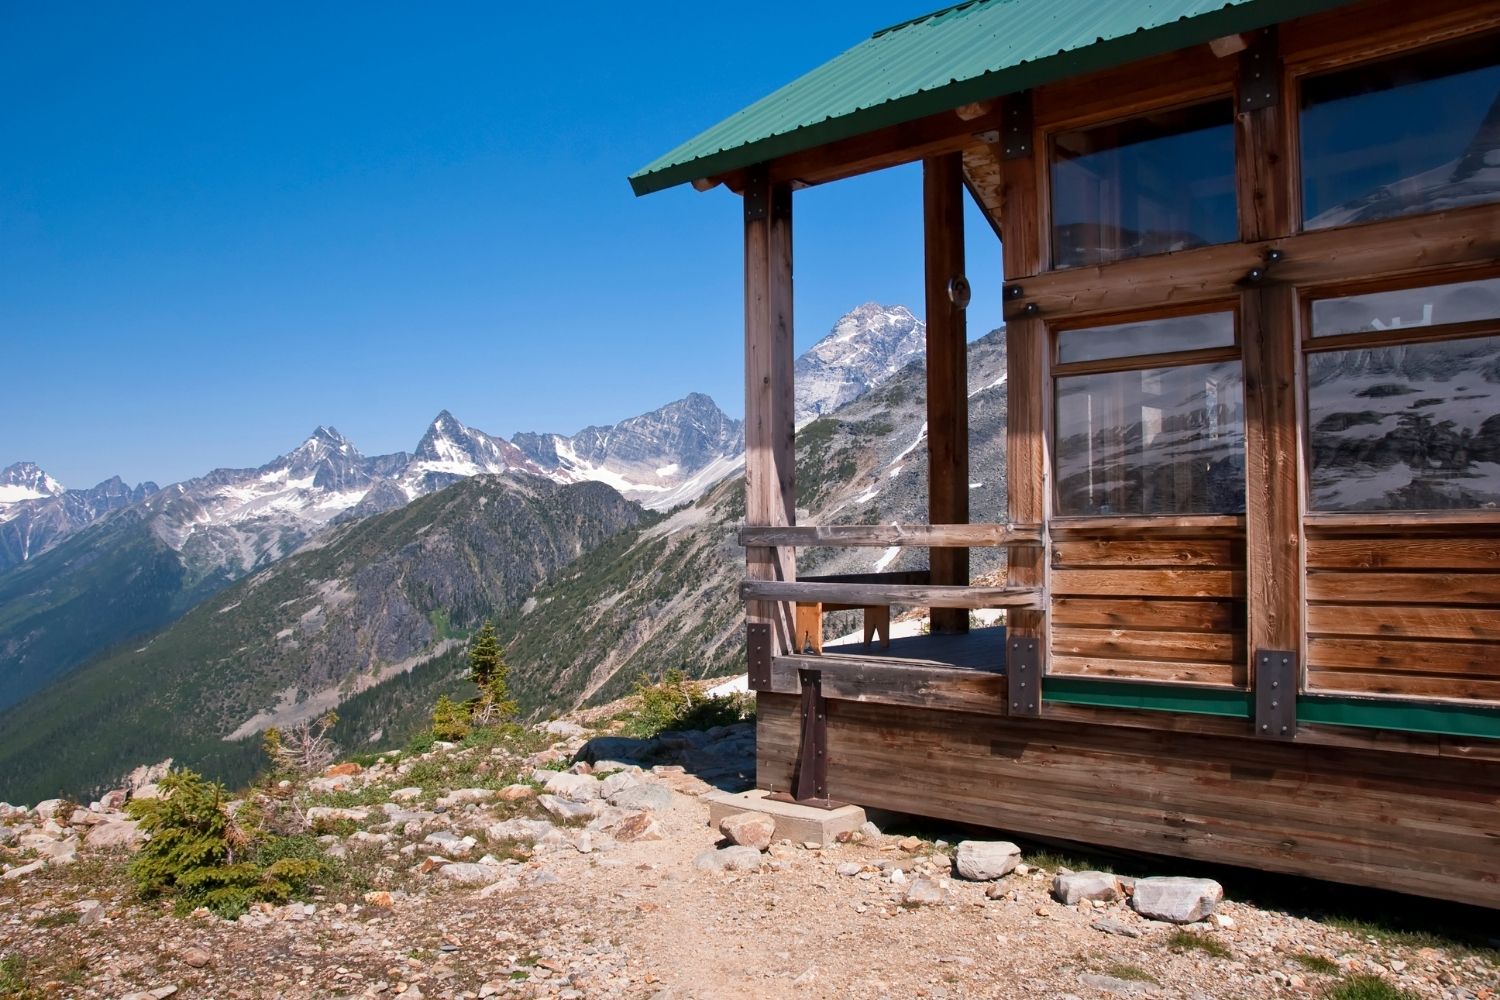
(1148, 185)
(1416, 134)
(1400, 420)
(1150, 418)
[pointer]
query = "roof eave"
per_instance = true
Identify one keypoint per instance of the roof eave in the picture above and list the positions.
(1140, 44)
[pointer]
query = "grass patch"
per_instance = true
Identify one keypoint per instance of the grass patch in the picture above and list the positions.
(1393, 934)
(676, 703)
(12, 976)
(57, 918)
(1319, 964)
(1183, 939)
(1133, 973)
(1367, 987)
(1052, 861)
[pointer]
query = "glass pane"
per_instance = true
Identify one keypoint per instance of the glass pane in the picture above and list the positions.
(1434, 305)
(1159, 441)
(1155, 336)
(1150, 185)
(1418, 134)
(1415, 427)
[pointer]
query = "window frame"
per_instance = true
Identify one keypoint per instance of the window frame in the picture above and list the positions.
(1164, 359)
(1437, 333)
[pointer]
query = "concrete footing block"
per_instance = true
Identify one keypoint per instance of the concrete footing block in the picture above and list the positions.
(797, 823)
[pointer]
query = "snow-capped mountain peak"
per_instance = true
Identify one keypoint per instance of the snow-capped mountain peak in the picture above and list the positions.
(865, 347)
(26, 481)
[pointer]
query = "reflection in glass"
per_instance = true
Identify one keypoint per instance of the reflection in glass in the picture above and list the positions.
(1156, 336)
(1414, 427)
(1434, 305)
(1416, 134)
(1157, 441)
(1149, 185)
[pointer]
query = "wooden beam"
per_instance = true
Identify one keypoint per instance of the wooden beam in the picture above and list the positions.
(863, 594)
(1395, 247)
(914, 536)
(770, 458)
(909, 142)
(1027, 474)
(947, 372)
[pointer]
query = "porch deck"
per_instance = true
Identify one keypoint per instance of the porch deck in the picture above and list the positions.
(979, 649)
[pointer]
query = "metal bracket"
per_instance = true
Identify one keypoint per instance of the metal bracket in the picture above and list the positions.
(1016, 127)
(810, 782)
(1023, 672)
(1260, 73)
(757, 193)
(1276, 673)
(758, 655)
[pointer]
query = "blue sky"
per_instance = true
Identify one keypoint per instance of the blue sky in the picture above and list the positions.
(224, 224)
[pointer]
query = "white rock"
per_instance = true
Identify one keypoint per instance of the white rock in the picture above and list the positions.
(469, 873)
(1070, 887)
(408, 794)
(124, 833)
(657, 798)
(735, 858)
(24, 870)
(463, 796)
(749, 829)
(577, 787)
(985, 860)
(1176, 900)
(47, 808)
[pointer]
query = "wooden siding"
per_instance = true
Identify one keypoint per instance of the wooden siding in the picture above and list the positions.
(1324, 812)
(1147, 607)
(1395, 615)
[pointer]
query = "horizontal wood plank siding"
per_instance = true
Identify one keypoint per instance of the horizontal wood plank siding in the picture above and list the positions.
(1406, 617)
(1321, 811)
(1161, 604)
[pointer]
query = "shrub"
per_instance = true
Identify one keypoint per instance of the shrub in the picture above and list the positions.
(678, 703)
(198, 855)
(450, 720)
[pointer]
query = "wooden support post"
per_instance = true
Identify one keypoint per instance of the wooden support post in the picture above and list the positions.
(947, 373)
(1269, 341)
(770, 458)
(1029, 382)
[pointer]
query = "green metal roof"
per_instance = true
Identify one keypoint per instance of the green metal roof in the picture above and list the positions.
(968, 52)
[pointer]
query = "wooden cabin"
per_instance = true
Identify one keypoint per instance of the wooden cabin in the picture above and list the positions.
(1252, 300)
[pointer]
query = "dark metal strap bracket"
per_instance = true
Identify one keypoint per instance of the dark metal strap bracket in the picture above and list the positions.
(810, 780)
(757, 193)
(758, 655)
(1260, 73)
(1016, 127)
(1276, 673)
(1023, 673)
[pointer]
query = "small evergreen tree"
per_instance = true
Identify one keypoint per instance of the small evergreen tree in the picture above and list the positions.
(197, 853)
(450, 720)
(488, 671)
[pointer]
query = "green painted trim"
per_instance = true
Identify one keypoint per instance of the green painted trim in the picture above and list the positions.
(1328, 710)
(1400, 716)
(1147, 697)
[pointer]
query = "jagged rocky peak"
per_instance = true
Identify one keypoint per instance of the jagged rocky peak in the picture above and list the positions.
(328, 458)
(27, 481)
(865, 347)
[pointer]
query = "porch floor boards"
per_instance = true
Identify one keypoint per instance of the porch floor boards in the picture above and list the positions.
(978, 649)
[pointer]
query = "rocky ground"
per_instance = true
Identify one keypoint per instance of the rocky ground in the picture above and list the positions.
(586, 868)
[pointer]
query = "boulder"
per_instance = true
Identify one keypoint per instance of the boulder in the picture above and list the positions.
(749, 829)
(470, 873)
(347, 767)
(618, 782)
(924, 892)
(564, 728)
(737, 858)
(463, 796)
(24, 870)
(656, 798)
(1176, 900)
(1069, 888)
(577, 787)
(985, 860)
(124, 833)
(409, 794)
(333, 814)
(569, 811)
(48, 808)
(638, 826)
(149, 790)
(323, 785)
(515, 793)
(614, 748)
(527, 831)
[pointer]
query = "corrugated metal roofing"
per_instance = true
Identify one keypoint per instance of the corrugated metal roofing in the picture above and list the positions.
(968, 52)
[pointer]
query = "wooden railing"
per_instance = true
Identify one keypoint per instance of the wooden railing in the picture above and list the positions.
(958, 536)
(866, 594)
